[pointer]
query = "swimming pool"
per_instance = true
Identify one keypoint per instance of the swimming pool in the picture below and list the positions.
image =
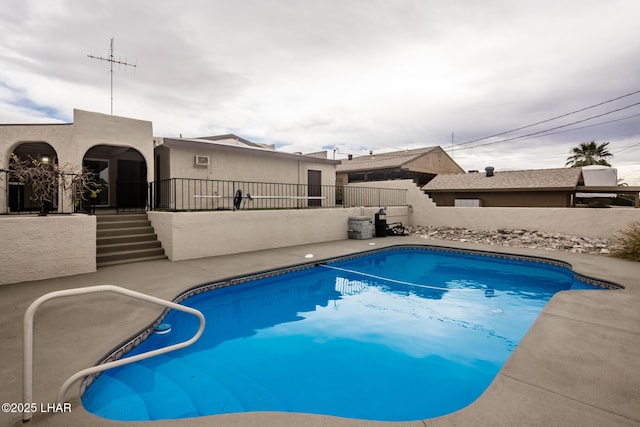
(396, 335)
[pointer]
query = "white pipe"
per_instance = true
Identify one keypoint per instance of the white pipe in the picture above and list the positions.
(27, 378)
(262, 197)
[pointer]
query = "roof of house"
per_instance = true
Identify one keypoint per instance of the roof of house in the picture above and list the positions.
(237, 144)
(232, 137)
(535, 179)
(384, 160)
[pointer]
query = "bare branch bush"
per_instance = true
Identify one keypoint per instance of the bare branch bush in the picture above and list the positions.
(45, 179)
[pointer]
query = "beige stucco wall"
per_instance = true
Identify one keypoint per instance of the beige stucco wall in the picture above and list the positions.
(247, 165)
(594, 223)
(35, 248)
(188, 235)
(416, 199)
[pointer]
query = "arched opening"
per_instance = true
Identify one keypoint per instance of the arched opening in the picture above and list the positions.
(19, 194)
(122, 174)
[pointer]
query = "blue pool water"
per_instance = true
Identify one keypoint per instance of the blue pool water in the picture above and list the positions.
(395, 336)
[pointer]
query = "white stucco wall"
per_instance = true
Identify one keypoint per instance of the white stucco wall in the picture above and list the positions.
(188, 235)
(91, 129)
(35, 248)
(72, 141)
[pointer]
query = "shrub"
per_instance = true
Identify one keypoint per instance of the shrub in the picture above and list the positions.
(629, 243)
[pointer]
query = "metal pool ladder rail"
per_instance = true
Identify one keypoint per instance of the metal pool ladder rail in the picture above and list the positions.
(27, 378)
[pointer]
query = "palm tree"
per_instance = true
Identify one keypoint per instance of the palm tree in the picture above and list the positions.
(589, 153)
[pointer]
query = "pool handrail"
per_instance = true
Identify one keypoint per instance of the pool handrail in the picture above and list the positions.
(28, 340)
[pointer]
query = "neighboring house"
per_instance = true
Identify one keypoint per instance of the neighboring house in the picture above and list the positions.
(598, 176)
(118, 149)
(521, 188)
(207, 172)
(420, 165)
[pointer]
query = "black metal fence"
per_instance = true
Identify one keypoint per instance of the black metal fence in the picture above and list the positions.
(185, 194)
(18, 197)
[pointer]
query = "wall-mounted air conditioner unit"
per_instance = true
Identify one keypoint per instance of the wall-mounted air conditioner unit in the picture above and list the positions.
(468, 203)
(201, 161)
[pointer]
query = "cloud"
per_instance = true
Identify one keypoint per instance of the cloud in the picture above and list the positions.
(360, 75)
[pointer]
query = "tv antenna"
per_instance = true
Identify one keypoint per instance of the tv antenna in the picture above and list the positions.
(112, 61)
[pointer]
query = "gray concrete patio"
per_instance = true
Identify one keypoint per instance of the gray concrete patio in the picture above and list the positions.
(579, 365)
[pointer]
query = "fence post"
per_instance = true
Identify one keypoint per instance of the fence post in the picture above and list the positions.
(4, 191)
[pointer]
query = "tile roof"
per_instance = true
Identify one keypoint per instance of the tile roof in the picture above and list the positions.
(383, 160)
(536, 179)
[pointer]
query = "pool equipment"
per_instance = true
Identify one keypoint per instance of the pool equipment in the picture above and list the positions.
(163, 328)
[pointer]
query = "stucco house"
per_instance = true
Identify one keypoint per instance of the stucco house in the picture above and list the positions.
(208, 172)
(560, 187)
(126, 157)
(166, 179)
(420, 164)
(521, 188)
(118, 149)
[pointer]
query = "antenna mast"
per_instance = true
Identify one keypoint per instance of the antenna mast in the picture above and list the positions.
(452, 145)
(112, 61)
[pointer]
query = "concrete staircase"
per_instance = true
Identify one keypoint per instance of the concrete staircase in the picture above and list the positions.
(125, 238)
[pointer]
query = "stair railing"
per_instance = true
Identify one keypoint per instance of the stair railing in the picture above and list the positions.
(28, 339)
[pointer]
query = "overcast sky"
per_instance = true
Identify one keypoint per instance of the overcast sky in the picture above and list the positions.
(308, 75)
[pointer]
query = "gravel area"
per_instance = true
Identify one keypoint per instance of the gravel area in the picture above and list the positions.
(518, 238)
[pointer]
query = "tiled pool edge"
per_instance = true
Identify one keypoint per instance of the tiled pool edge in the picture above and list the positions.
(126, 346)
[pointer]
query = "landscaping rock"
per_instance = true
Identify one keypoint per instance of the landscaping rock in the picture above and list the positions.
(518, 238)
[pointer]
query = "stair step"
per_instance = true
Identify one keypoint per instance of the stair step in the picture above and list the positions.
(120, 217)
(109, 225)
(127, 255)
(129, 238)
(130, 260)
(126, 238)
(124, 232)
(122, 247)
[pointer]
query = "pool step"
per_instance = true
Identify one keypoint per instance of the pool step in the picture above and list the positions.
(121, 395)
(126, 238)
(207, 395)
(164, 398)
(239, 382)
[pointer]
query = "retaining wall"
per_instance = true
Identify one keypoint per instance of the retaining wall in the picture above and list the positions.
(35, 248)
(586, 222)
(188, 235)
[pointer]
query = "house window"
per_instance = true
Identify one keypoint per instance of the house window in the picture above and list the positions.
(357, 177)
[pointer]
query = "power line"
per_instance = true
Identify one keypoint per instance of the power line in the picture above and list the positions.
(548, 120)
(550, 129)
(626, 148)
(594, 125)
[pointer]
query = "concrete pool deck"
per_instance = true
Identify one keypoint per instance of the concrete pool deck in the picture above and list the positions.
(579, 364)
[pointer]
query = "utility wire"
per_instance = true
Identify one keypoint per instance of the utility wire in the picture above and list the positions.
(548, 120)
(594, 125)
(550, 129)
(626, 148)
